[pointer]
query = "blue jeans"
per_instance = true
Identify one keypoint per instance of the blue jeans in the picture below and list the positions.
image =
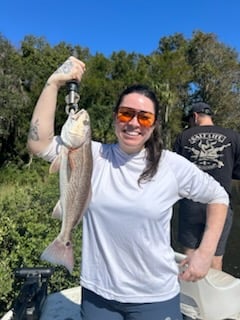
(95, 307)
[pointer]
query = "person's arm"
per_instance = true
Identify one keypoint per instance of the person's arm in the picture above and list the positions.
(197, 264)
(196, 185)
(41, 130)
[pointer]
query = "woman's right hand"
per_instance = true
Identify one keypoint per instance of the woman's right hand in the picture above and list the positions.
(71, 69)
(41, 130)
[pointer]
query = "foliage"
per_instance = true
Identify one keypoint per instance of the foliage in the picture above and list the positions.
(27, 228)
(102, 123)
(13, 101)
(216, 76)
(179, 70)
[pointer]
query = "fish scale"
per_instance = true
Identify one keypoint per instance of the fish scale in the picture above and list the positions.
(74, 164)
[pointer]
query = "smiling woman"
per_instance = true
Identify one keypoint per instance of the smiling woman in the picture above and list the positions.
(137, 125)
(128, 265)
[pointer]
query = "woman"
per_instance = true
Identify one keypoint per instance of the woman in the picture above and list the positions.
(128, 267)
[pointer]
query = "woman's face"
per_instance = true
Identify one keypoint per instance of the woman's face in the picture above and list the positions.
(131, 134)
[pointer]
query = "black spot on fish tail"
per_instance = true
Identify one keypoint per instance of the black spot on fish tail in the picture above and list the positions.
(59, 253)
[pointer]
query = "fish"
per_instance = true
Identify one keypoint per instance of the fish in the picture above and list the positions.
(74, 164)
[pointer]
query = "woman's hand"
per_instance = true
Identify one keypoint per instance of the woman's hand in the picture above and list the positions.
(71, 69)
(195, 266)
(41, 130)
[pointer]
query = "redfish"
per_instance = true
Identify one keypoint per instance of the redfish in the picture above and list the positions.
(74, 164)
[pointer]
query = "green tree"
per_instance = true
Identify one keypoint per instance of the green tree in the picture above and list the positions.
(170, 74)
(13, 102)
(216, 77)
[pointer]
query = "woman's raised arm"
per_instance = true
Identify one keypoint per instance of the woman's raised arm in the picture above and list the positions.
(41, 130)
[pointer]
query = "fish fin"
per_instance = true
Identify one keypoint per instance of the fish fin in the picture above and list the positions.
(59, 253)
(57, 211)
(55, 165)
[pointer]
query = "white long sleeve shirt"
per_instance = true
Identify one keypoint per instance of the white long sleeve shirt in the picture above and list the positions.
(127, 254)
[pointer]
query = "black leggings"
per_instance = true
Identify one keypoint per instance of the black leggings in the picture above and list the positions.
(95, 307)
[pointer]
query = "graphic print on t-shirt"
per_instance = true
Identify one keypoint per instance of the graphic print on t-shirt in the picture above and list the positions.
(207, 149)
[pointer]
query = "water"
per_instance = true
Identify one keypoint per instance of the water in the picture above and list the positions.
(231, 261)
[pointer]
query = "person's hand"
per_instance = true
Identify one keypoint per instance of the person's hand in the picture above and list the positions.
(71, 69)
(195, 266)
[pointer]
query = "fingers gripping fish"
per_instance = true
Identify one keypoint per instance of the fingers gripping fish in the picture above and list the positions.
(74, 164)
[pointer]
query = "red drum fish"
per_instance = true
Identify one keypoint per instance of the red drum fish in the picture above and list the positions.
(74, 164)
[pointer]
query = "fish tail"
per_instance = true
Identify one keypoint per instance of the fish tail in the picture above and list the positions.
(59, 253)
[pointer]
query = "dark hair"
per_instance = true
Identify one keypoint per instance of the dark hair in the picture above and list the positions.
(198, 107)
(154, 144)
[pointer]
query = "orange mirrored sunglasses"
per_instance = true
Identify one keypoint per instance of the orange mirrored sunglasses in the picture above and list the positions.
(145, 119)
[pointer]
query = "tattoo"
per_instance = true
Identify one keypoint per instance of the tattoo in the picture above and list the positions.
(33, 131)
(65, 68)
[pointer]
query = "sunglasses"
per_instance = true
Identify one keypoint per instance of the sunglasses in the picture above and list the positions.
(145, 119)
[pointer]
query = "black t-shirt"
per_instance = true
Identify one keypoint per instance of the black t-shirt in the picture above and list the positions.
(213, 149)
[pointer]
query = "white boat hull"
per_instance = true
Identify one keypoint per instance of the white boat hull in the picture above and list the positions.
(216, 297)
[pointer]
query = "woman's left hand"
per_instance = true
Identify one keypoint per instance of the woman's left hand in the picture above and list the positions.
(195, 266)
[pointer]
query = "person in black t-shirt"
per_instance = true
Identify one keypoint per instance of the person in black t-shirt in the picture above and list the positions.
(215, 150)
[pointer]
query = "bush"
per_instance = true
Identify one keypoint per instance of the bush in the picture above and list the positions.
(27, 228)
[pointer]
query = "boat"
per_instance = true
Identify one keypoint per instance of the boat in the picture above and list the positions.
(215, 297)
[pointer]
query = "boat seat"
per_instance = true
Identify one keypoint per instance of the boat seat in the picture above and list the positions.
(215, 297)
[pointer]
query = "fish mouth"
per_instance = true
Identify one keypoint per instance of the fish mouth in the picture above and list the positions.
(76, 130)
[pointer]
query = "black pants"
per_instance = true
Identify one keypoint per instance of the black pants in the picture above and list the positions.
(95, 307)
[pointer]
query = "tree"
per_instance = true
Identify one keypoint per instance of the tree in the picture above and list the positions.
(13, 102)
(170, 74)
(216, 77)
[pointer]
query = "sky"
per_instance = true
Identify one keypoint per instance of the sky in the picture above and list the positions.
(107, 26)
